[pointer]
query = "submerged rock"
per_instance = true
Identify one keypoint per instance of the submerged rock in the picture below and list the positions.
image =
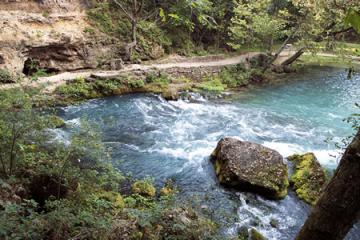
(309, 178)
(56, 122)
(256, 235)
(250, 167)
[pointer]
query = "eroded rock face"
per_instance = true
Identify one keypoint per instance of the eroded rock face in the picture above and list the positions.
(250, 167)
(50, 34)
(309, 178)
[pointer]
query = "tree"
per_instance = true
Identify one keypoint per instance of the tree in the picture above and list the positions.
(339, 206)
(18, 123)
(189, 21)
(254, 23)
(135, 11)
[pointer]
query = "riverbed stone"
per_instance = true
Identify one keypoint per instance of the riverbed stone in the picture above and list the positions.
(250, 167)
(256, 235)
(308, 178)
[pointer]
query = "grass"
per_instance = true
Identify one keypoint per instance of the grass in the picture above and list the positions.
(341, 48)
(332, 61)
(215, 86)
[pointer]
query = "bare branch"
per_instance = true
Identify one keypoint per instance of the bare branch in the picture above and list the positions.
(131, 17)
(152, 14)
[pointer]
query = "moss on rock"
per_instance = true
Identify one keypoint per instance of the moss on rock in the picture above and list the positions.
(250, 167)
(256, 235)
(144, 188)
(215, 86)
(113, 197)
(56, 121)
(309, 178)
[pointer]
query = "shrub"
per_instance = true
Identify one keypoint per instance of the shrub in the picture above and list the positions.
(136, 83)
(161, 79)
(213, 85)
(77, 89)
(6, 76)
(108, 86)
(144, 188)
(235, 76)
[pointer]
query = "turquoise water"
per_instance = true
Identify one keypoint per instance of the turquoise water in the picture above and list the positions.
(150, 136)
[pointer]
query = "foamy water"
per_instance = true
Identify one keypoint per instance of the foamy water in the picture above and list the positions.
(150, 136)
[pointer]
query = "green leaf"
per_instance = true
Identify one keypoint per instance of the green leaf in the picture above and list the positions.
(353, 19)
(162, 15)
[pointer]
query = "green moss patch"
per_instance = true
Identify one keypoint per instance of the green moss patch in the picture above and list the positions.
(309, 178)
(144, 188)
(256, 235)
(214, 86)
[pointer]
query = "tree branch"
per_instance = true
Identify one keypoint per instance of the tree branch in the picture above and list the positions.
(280, 50)
(124, 10)
(340, 31)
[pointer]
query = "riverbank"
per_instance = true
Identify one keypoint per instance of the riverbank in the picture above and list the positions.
(173, 139)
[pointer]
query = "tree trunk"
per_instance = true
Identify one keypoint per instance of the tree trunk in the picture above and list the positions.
(339, 206)
(294, 57)
(130, 46)
(134, 31)
(273, 59)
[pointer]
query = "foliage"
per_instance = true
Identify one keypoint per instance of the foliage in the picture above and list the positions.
(107, 22)
(152, 35)
(354, 119)
(308, 178)
(18, 122)
(215, 85)
(253, 23)
(6, 76)
(175, 221)
(353, 19)
(144, 188)
(136, 83)
(235, 76)
(39, 73)
(79, 197)
(162, 80)
(81, 89)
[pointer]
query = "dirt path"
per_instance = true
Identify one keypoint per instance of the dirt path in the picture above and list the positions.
(52, 82)
(286, 54)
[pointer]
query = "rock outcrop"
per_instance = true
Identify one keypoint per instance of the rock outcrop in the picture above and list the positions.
(50, 35)
(308, 178)
(250, 167)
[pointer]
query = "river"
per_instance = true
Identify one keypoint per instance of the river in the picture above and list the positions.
(152, 137)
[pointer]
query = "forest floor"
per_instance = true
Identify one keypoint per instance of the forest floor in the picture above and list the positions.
(172, 61)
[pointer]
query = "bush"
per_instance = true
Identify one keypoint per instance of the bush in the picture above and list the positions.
(144, 188)
(6, 76)
(235, 76)
(213, 85)
(136, 83)
(92, 208)
(77, 89)
(162, 80)
(81, 89)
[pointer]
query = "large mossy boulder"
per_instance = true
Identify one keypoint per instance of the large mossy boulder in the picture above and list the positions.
(308, 178)
(251, 167)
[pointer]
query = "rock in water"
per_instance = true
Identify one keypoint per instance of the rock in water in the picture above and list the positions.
(308, 178)
(251, 167)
